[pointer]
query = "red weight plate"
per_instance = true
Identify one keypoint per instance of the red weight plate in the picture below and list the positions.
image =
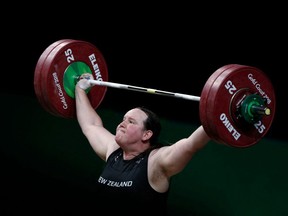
(54, 67)
(38, 76)
(45, 87)
(218, 95)
(204, 100)
(224, 101)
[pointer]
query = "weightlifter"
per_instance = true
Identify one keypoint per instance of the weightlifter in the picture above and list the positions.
(138, 169)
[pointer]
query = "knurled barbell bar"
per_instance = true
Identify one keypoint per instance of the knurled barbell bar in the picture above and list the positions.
(236, 106)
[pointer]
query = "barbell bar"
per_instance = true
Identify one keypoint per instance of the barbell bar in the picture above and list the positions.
(145, 90)
(254, 108)
(236, 105)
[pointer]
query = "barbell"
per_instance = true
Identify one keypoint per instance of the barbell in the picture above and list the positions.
(236, 105)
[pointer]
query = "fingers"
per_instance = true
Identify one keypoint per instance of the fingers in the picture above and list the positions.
(86, 76)
(84, 81)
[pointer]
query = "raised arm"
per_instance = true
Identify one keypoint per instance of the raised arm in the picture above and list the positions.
(100, 139)
(172, 159)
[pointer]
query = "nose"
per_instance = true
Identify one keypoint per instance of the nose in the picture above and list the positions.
(123, 123)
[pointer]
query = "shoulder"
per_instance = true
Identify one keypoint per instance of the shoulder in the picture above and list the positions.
(156, 152)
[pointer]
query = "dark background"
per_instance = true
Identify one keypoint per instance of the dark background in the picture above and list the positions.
(168, 52)
(173, 49)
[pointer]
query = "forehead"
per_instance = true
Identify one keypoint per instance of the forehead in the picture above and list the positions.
(136, 113)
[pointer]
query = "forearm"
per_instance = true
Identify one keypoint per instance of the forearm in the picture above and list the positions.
(199, 138)
(86, 114)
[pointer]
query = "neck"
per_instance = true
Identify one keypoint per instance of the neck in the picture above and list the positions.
(130, 155)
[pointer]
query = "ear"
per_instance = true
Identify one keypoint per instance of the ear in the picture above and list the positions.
(147, 135)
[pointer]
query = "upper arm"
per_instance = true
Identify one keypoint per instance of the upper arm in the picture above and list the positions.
(101, 140)
(172, 159)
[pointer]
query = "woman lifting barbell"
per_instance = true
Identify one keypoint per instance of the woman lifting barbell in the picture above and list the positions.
(138, 169)
(237, 106)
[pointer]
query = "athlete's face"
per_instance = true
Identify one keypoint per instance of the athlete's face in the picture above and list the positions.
(131, 130)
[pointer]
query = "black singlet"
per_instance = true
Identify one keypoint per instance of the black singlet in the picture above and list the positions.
(125, 182)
